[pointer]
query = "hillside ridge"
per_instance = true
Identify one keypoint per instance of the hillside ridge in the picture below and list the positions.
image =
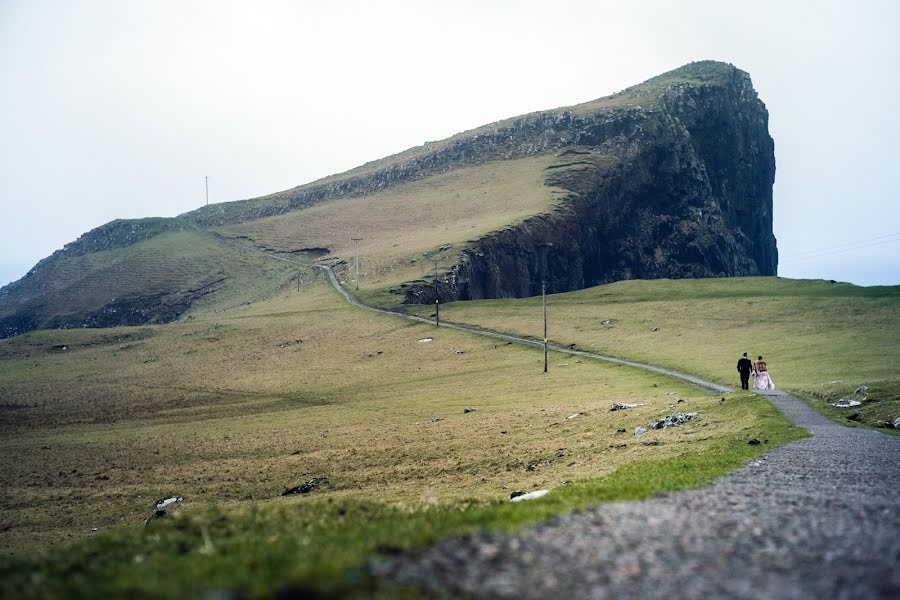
(668, 178)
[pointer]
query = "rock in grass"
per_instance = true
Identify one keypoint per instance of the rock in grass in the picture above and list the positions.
(640, 430)
(897, 423)
(622, 406)
(672, 420)
(754, 442)
(855, 416)
(164, 502)
(844, 403)
(861, 390)
(304, 488)
(528, 496)
(156, 516)
(468, 409)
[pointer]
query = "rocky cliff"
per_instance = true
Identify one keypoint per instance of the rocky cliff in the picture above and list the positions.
(679, 186)
(669, 178)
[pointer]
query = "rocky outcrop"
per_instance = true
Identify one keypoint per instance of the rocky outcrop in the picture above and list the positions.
(670, 178)
(679, 188)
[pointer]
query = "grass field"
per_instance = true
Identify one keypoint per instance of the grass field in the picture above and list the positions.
(230, 409)
(821, 339)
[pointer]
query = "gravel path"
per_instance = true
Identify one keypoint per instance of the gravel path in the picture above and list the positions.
(816, 518)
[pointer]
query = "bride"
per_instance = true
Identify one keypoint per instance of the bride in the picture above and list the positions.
(761, 371)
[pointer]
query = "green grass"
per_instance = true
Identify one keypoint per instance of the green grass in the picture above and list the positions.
(811, 332)
(231, 408)
(323, 544)
(167, 269)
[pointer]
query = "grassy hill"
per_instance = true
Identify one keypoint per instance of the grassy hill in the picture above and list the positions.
(821, 339)
(520, 181)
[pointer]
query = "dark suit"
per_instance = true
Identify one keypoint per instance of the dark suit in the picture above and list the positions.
(744, 367)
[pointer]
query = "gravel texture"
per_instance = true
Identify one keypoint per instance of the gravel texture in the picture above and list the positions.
(816, 518)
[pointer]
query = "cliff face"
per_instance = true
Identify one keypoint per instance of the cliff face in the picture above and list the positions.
(683, 188)
(670, 178)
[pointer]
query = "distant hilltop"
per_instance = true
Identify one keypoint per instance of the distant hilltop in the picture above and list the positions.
(670, 178)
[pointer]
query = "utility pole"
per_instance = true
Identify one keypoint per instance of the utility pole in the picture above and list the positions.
(544, 269)
(206, 179)
(357, 240)
(544, 302)
(437, 300)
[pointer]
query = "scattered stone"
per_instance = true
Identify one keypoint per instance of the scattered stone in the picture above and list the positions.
(623, 430)
(436, 419)
(157, 515)
(304, 488)
(897, 423)
(855, 416)
(164, 502)
(654, 329)
(562, 364)
(468, 409)
(531, 467)
(884, 424)
(426, 340)
(640, 430)
(529, 495)
(861, 390)
(289, 343)
(844, 403)
(45, 447)
(754, 442)
(573, 416)
(606, 322)
(672, 420)
(618, 446)
(60, 348)
(651, 443)
(517, 494)
(622, 406)
(680, 401)
(835, 381)
(214, 327)
(460, 351)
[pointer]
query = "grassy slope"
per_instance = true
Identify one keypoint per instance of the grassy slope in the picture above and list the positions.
(698, 73)
(812, 333)
(400, 225)
(231, 416)
(167, 265)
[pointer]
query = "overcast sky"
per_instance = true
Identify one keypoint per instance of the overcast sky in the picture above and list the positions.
(112, 109)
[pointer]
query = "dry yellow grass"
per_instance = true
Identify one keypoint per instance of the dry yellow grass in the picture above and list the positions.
(400, 225)
(94, 434)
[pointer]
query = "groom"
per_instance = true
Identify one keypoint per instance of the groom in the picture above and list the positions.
(744, 367)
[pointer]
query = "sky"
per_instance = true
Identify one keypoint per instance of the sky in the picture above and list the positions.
(119, 109)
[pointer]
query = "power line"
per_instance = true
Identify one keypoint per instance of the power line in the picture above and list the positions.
(876, 241)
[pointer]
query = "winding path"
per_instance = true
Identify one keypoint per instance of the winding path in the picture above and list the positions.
(706, 385)
(816, 518)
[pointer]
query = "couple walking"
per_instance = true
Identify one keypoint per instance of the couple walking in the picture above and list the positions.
(759, 369)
